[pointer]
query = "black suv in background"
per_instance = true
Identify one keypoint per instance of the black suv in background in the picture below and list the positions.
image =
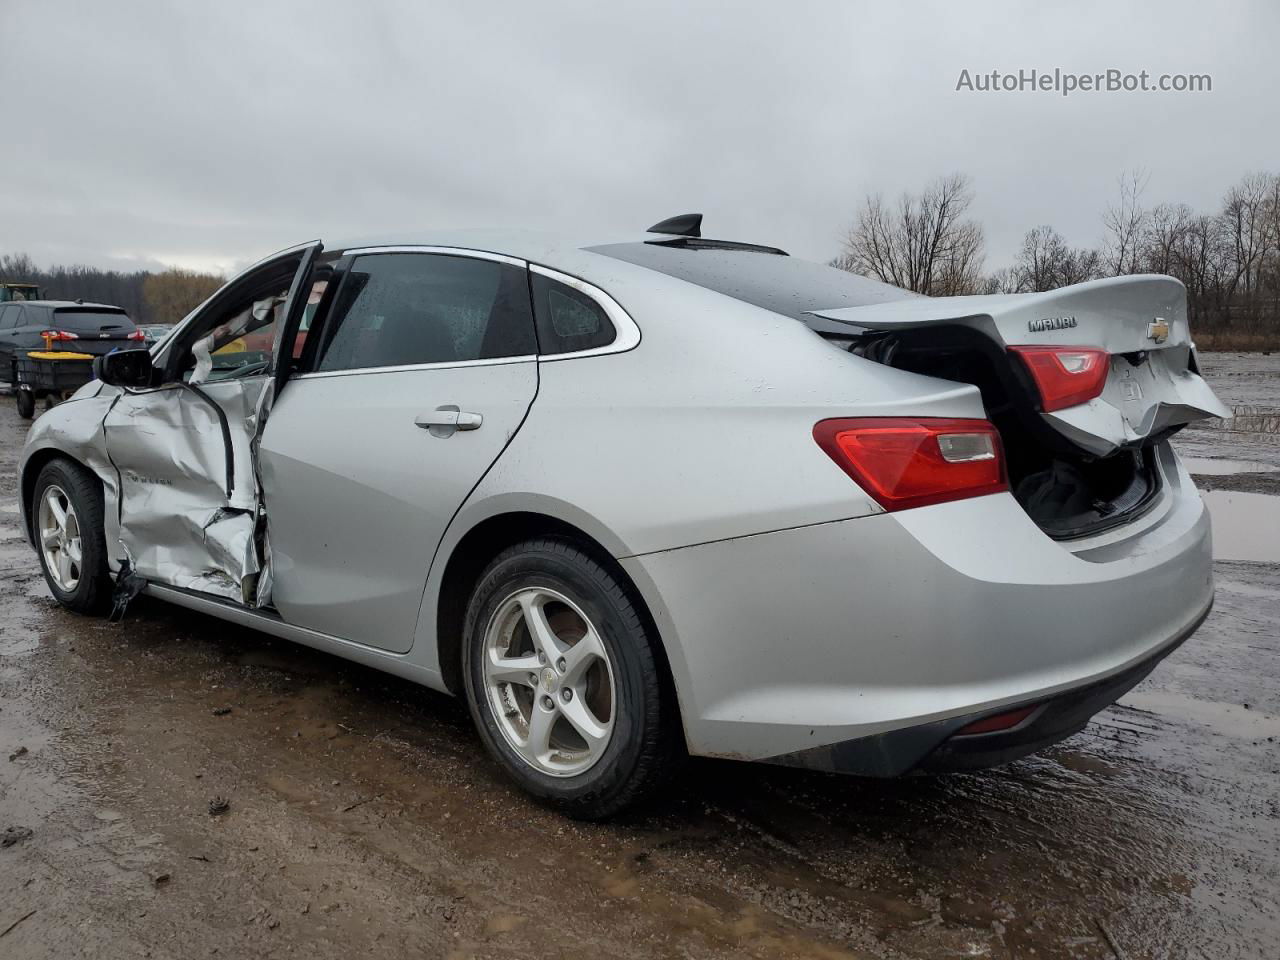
(92, 328)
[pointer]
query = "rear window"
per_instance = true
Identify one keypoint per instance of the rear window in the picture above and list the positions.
(568, 320)
(776, 282)
(93, 321)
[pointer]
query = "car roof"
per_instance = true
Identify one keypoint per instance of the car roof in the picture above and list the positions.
(69, 304)
(533, 245)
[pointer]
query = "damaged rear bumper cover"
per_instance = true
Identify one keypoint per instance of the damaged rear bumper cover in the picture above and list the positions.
(939, 747)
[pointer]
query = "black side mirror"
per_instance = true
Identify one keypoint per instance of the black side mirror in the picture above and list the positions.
(124, 368)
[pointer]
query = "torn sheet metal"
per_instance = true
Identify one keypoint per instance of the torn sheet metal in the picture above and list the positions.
(188, 490)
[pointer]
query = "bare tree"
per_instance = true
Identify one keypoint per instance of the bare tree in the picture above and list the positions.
(924, 243)
(1045, 262)
(173, 294)
(1124, 223)
(17, 267)
(1246, 222)
(1165, 233)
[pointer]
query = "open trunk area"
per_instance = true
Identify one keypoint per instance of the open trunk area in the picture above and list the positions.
(1066, 491)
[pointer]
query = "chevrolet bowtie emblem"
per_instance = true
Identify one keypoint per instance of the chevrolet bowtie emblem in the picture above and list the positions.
(1158, 330)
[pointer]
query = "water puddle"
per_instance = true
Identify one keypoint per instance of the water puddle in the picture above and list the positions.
(1215, 467)
(1246, 526)
(1233, 719)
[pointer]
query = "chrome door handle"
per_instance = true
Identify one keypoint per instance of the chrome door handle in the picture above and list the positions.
(443, 421)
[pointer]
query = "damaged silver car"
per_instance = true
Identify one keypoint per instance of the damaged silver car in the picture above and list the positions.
(662, 496)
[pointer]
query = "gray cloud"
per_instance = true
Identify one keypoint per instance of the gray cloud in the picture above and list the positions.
(210, 135)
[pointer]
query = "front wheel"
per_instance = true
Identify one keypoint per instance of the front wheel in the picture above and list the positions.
(66, 512)
(564, 682)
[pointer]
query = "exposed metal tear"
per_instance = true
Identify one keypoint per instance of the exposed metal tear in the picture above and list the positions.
(128, 585)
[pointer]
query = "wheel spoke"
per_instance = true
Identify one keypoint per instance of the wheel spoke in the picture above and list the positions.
(544, 639)
(538, 743)
(49, 537)
(592, 730)
(579, 658)
(72, 549)
(64, 570)
(520, 670)
(56, 510)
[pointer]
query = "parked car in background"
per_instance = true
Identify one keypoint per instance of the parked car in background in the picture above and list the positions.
(668, 495)
(155, 332)
(70, 325)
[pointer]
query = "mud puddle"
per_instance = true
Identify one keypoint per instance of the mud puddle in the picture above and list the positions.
(1214, 467)
(1246, 526)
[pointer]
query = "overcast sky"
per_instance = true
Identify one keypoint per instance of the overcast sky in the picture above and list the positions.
(210, 134)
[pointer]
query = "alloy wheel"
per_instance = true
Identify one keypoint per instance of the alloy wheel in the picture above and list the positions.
(60, 541)
(549, 681)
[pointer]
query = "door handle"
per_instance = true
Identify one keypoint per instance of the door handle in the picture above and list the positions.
(443, 421)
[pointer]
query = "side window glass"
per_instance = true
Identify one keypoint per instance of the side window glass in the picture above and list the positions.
(7, 317)
(395, 309)
(568, 320)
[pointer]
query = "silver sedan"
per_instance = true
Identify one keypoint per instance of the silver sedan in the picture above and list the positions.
(657, 497)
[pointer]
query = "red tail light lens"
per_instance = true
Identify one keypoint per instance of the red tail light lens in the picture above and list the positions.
(137, 335)
(59, 335)
(1001, 721)
(908, 462)
(1066, 376)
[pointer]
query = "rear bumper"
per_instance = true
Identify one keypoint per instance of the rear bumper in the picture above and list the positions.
(939, 747)
(907, 626)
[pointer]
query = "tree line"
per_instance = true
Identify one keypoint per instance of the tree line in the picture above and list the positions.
(147, 296)
(1228, 258)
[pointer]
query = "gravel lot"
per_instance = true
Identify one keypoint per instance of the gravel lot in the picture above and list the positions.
(364, 821)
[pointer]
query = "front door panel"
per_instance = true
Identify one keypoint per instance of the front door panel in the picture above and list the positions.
(361, 474)
(188, 494)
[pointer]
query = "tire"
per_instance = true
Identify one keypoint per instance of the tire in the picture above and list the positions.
(80, 494)
(624, 682)
(26, 403)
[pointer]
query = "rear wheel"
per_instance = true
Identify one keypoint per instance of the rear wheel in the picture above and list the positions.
(563, 680)
(26, 403)
(66, 512)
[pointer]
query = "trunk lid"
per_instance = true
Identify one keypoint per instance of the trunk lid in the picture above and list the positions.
(1152, 386)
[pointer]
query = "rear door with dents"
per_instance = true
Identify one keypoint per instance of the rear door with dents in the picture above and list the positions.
(184, 450)
(411, 387)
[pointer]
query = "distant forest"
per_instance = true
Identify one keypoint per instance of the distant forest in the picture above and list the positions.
(148, 297)
(1228, 257)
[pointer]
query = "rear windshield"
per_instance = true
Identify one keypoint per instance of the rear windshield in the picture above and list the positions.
(773, 281)
(93, 321)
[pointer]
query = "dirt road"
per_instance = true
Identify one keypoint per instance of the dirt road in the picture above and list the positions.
(362, 819)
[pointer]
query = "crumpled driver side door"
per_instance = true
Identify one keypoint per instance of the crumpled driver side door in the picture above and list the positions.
(189, 499)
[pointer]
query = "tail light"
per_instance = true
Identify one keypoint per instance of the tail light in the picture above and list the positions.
(1066, 376)
(998, 722)
(907, 462)
(137, 335)
(59, 335)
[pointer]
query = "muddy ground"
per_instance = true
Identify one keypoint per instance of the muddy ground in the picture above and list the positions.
(364, 821)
